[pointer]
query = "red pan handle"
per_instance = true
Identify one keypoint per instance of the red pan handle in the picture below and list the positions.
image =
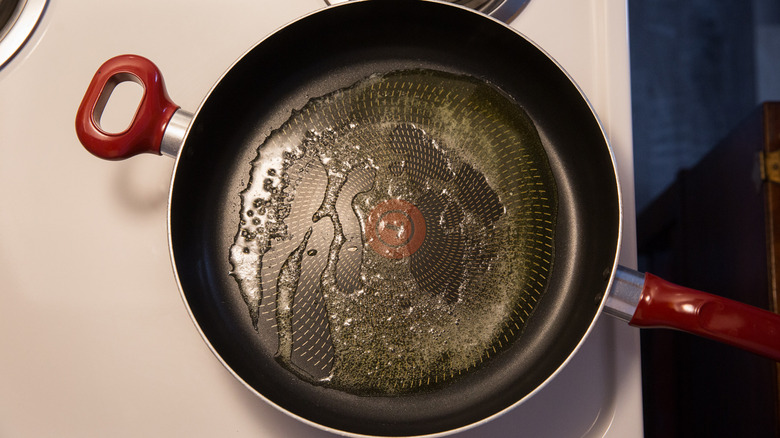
(664, 304)
(145, 132)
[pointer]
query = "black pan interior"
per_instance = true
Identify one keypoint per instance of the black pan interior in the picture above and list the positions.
(333, 49)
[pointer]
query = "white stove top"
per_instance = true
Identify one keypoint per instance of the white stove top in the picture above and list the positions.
(95, 339)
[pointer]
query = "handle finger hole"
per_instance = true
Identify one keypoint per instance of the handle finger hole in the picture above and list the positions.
(118, 103)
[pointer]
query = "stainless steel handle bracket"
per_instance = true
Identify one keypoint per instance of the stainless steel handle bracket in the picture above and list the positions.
(623, 298)
(173, 136)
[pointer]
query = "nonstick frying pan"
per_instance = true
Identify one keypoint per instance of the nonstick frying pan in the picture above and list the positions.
(397, 218)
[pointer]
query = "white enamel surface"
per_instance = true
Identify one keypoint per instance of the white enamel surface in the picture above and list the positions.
(95, 338)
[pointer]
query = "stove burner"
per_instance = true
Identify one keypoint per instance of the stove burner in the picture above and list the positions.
(395, 229)
(18, 19)
(480, 5)
(7, 9)
(504, 10)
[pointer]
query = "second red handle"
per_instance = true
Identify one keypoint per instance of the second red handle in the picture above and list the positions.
(146, 130)
(665, 304)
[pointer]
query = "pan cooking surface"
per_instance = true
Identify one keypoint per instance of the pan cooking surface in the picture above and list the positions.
(397, 233)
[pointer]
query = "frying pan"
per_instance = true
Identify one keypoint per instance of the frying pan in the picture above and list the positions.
(539, 229)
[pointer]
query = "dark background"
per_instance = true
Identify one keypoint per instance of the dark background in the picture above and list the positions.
(698, 67)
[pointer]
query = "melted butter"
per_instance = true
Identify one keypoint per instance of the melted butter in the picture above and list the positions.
(471, 161)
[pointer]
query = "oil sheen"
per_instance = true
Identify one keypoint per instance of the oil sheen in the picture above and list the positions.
(396, 234)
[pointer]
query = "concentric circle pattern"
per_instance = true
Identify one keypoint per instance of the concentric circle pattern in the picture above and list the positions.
(395, 229)
(397, 233)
